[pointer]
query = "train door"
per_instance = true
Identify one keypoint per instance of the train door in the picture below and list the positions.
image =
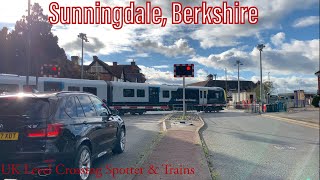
(203, 97)
(154, 95)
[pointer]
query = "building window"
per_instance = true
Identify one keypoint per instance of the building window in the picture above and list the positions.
(165, 94)
(91, 90)
(128, 93)
(140, 93)
(204, 94)
(73, 88)
(200, 94)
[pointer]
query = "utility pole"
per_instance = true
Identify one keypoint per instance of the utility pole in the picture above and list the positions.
(28, 44)
(238, 62)
(260, 48)
(226, 80)
(83, 37)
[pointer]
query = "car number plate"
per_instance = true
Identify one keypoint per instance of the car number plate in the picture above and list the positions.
(9, 136)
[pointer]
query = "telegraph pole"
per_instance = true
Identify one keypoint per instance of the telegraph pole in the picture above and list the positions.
(29, 45)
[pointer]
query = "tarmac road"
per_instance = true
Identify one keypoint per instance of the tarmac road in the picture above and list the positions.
(246, 146)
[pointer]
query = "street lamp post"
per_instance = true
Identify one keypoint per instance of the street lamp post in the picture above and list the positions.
(83, 37)
(238, 63)
(260, 48)
(215, 79)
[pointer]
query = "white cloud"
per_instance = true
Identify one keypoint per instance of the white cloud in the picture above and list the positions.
(306, 21)
(156, 76)
(180, 47)
(278, 38)
(161, 67)
(291, 83)
(296, 57)
(270, 14)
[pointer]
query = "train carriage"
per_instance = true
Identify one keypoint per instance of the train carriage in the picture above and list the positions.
(127, 97)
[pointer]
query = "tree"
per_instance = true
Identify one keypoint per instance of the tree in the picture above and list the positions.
(44, 46)
(268, 88)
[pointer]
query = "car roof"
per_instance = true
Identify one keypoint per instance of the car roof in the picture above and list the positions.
(43, 95)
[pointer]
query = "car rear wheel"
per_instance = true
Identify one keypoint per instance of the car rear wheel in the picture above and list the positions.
(120, 143)
(83, 161)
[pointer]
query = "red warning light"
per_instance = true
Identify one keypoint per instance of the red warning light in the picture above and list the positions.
(54, 68)
(188, 68)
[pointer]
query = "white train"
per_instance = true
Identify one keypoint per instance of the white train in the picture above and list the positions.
(126, 96)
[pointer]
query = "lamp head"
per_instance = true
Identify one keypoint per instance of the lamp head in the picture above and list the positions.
(260, 47)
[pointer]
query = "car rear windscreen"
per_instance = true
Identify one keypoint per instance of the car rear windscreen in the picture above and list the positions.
(24, 106)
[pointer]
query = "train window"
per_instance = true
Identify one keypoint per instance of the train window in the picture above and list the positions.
(29, 88)
(9, 88)
(53, 86)
(165, 94)
(128, 92)
(91, 90)
(141, 93)
(73, 88)
(204, 94)
(200, 94)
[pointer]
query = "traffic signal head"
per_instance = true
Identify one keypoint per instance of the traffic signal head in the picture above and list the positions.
(183, 70)
(49, 70)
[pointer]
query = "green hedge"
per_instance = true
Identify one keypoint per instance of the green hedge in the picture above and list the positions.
(315, 101)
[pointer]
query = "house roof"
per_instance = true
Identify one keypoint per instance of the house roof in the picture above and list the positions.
(231, 84)
(131, 72)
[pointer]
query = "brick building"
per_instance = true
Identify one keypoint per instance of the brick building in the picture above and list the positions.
(115, 72)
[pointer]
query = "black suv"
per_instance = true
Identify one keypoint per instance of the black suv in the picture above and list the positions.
(49, 134)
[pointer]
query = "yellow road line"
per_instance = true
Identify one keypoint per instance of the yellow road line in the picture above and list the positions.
(302, 123)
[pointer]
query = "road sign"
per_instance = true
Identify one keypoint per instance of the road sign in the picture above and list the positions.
(184, 70)
(50, 70)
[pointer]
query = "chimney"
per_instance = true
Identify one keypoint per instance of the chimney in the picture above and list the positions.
(210, 77)
(75, 60)
(114, 63)
(95, 58)
(133, 63)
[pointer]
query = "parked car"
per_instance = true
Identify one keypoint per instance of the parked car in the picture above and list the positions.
(43, 134)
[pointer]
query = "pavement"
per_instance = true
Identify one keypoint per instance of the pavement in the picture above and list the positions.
(306, 115)
(246, 146)
(179, 154)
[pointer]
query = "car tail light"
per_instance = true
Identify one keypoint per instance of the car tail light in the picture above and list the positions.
(52, 130)
(37, 133)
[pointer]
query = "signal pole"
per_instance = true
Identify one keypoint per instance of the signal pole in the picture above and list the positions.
(184, 97)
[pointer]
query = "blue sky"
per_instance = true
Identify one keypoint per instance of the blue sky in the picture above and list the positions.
(288, 28)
